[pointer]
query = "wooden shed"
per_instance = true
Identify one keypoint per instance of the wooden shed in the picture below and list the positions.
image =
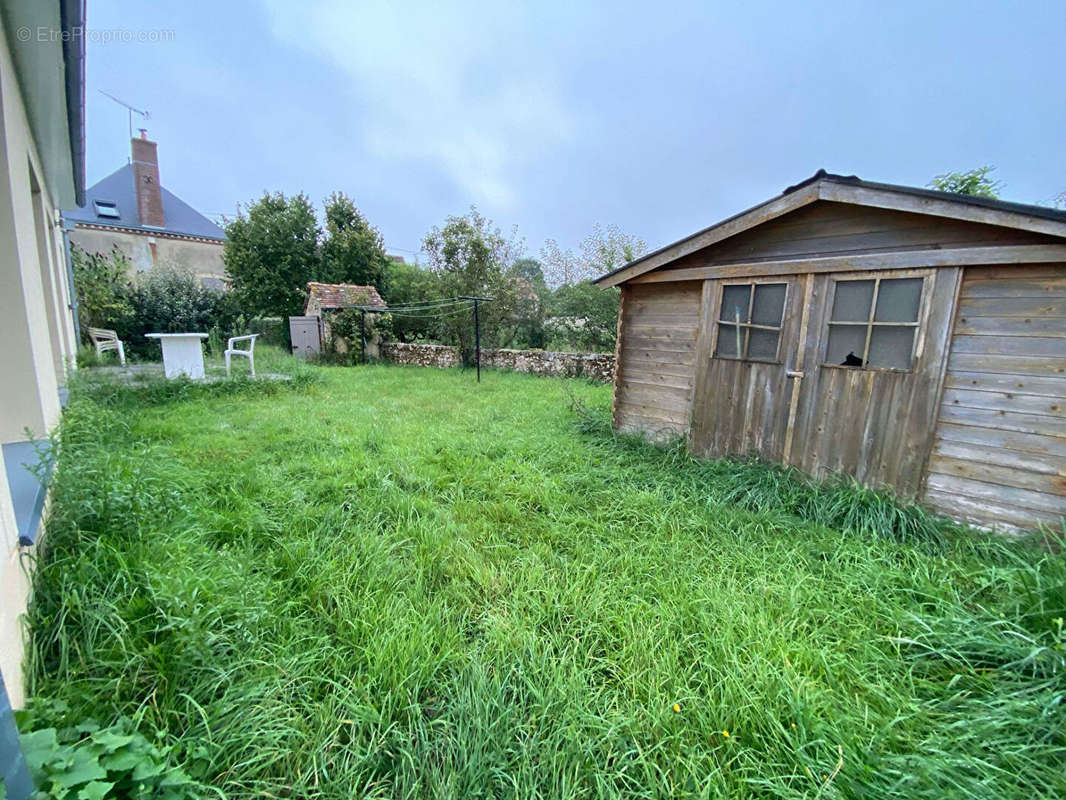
(913, 339)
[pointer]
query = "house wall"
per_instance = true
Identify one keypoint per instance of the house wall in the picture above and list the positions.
(202, 258)
(37, 331)
(1000, 452)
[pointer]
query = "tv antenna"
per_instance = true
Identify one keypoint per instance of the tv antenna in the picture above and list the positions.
(130, 109)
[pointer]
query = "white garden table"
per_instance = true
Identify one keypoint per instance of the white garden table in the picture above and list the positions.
(183, 353)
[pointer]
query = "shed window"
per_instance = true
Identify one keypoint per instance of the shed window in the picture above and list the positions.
(749, 323)
(873, 323)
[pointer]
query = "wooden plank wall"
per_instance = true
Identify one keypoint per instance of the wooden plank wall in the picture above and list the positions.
(657, 357)
(999, 457)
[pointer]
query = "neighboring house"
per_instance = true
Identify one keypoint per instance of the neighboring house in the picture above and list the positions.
(42, 168)
(337, 297)
(131, 210)
(913, 339)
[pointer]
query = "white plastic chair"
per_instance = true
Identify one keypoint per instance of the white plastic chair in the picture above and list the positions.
(105, 339)
(233, 351)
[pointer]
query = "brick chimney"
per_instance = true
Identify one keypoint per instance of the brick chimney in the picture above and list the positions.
(146, 182)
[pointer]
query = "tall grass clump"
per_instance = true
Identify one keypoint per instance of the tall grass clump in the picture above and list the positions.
(400, 583)
(839, 502)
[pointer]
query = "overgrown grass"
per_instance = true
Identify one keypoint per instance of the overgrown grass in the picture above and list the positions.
(394, 582)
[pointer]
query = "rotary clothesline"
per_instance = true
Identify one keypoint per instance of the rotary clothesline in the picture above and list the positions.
(429, 309)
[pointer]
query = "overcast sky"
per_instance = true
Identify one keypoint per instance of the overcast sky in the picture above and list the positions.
(661, 117)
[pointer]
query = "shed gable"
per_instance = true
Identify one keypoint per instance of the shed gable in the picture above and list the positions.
(826, 228)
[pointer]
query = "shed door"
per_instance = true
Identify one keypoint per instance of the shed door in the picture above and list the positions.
(306, 336)
(833, 373)
(749, 330)
(872, 364)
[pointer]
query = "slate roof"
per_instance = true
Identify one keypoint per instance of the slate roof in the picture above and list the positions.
(118, 188)
(342, 295)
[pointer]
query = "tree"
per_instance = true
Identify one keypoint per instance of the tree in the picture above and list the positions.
(975, 182)
(353, 251)
(531, 307)
(603, 250)
(472, 257)
(272, 252)
(583, 317)
(410, 284)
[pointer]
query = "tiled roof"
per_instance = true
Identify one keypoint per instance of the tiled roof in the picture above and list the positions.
(342, 295)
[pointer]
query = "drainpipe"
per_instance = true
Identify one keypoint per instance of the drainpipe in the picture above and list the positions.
(68, 226)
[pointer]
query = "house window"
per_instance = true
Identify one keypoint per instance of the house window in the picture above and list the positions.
(873, 322)
(749, 322)
(105, 208)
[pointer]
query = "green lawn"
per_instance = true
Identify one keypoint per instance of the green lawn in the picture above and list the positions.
(395, 582)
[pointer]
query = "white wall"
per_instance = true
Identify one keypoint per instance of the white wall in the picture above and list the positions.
(36, 336)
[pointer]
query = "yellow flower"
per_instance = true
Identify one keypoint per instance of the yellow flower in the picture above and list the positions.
(677, 708)
(725, 734)
(793, 724)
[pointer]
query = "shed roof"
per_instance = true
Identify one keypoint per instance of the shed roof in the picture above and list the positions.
(342, 295)
(118, 188)
(851, 189)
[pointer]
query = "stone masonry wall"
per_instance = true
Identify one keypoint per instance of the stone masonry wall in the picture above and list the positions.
(420, 355)
(597, 366)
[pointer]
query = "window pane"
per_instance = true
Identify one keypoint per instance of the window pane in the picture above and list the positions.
(846, 343)
(727, 341)
(891, 347)
(734, 299)
(762, 345)
(769, 303)
(852, 301)
(897, 300)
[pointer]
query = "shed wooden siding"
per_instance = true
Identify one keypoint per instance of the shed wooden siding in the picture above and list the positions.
(826, 228)
(1000, 452)
(656, 358)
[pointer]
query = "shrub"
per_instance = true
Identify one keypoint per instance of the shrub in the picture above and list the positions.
(273, 331)
(102, 286)
(170, 301)
(159, 301)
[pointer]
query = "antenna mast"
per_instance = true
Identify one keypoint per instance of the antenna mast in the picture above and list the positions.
(130, 109)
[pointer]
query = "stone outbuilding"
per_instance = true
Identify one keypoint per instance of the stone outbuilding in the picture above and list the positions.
(327, 297)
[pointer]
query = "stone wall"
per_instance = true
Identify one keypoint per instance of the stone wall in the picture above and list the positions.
(420, 355)
(597, 366)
